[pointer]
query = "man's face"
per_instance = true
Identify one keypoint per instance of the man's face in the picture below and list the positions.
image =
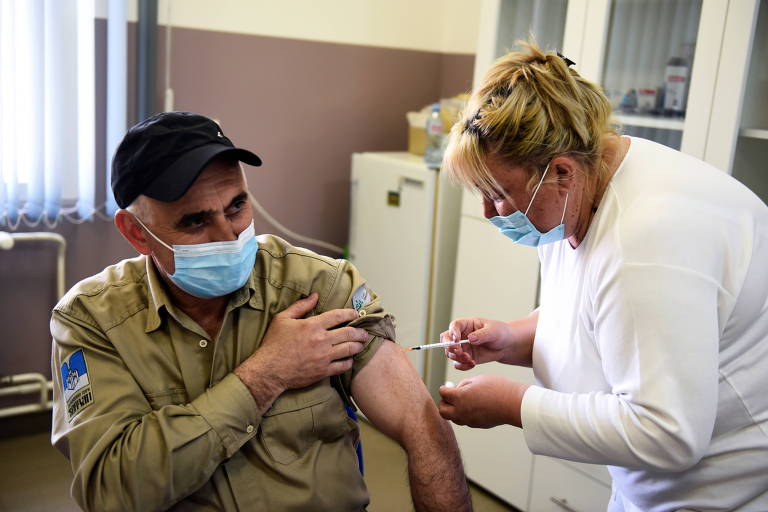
(214, 209)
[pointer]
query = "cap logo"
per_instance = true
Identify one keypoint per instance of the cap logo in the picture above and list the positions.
(218, 134)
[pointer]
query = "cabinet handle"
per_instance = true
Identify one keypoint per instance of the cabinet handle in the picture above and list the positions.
(562, 503)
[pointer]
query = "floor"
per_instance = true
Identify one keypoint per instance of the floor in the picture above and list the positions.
(34, 477)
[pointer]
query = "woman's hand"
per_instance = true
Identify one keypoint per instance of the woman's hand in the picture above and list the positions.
(487, 341)
(483, 401)
(491, 340)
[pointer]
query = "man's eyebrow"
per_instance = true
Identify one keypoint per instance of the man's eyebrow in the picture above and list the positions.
(193, 218)
(190, 219)
(239, 197)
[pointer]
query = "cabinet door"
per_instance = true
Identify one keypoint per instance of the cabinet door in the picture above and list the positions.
(390, 237)
(561, 486)
(494, 279)
(738, 134)
(504, 22)
(656, 61)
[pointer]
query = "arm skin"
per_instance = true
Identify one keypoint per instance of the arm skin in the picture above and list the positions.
(392, 396)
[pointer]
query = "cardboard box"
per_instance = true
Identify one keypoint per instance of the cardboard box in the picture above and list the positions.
(417, 133)
(417, 140)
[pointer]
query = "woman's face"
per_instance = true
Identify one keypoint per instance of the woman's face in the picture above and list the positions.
(545, 212)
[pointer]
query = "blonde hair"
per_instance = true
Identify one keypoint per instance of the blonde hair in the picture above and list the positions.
(529, 109)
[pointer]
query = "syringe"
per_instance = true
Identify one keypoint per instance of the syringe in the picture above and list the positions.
(437, 345)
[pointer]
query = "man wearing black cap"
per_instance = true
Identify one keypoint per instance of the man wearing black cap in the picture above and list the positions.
(212, 371)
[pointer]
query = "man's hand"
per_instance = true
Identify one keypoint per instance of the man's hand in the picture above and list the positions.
(297, 352)
(484, 401)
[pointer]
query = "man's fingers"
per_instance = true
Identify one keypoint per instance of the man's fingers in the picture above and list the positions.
(335, 317)
(346, 350)
(340, 366)
(349, 334)
(300, 308)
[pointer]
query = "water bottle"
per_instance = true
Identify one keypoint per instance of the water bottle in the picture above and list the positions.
(433, 152)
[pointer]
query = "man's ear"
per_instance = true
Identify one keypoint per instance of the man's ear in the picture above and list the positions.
(131, 231)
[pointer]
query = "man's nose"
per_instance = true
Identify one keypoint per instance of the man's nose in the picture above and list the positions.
(221, 230)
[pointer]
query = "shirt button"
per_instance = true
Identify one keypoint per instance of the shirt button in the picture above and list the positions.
(362, 312)
(203, 343)
(250, 429)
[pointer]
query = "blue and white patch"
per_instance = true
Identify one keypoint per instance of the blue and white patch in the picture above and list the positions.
(76, 385)
(361, 297)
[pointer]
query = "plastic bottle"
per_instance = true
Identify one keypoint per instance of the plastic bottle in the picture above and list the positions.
(433, 152)
(675, 86)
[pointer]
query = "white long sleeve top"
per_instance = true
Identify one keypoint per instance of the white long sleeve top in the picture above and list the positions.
(651, 349)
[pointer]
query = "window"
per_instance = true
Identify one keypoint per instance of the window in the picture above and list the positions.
(47, 109)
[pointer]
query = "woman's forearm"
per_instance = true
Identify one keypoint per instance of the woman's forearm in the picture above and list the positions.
(522, 332)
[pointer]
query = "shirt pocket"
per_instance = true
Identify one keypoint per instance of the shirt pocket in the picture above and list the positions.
(299, 419)
(160, 399)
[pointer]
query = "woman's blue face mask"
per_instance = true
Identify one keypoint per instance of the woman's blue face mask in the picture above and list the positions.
(518, 227)
(213, 269)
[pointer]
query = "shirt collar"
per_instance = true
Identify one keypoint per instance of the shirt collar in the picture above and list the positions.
(157, 296)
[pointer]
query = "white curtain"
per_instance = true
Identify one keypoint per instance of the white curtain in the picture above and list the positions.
(48, 111)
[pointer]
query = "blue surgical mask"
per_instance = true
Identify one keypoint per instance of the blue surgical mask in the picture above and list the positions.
(521, 230)
(213, 269)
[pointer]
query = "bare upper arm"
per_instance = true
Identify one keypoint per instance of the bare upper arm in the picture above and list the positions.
(391, 394)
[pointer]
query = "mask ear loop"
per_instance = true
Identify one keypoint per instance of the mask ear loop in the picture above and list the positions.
(153, 235)
(564, 208)
(537, 189)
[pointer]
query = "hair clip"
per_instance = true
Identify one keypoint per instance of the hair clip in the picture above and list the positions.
(471, 127)
(568, 62)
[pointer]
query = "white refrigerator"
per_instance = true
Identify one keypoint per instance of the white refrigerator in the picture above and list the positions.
(403, 235)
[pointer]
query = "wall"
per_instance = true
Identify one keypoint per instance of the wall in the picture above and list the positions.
(305, 94)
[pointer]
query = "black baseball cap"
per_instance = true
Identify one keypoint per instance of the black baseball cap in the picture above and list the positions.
(163, 155)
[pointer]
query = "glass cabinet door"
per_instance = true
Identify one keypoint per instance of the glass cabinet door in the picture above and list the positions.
(544, 19)
(647, 65)
(505, 22)
(749, 164)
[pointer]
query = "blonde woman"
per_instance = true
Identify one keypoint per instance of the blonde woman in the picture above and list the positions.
(650, 346)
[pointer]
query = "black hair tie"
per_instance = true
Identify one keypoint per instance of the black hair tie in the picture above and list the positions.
(568, 62)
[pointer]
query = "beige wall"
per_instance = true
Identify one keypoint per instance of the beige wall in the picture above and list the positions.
(448, 26)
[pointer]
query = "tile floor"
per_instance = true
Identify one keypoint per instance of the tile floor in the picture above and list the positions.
(34, 477)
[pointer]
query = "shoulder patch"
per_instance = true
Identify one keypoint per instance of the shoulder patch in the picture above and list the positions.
(78, 394)
(361, 297)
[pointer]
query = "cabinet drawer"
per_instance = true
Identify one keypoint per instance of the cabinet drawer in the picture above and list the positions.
(559, 487)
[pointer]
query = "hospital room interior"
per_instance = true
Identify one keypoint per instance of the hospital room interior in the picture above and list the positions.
(350, 108)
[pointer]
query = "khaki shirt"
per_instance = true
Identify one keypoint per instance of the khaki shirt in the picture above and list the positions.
(151, 417)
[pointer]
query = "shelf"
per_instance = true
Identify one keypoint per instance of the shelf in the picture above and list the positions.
(754, 133)
(665, 123)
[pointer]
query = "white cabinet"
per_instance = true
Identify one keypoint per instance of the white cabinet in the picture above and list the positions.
(625, 45)
(494, 279)
(402, 238)
(751, 143)
(562, 486)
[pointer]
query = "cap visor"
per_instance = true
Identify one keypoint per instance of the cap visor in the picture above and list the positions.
(177, 178)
